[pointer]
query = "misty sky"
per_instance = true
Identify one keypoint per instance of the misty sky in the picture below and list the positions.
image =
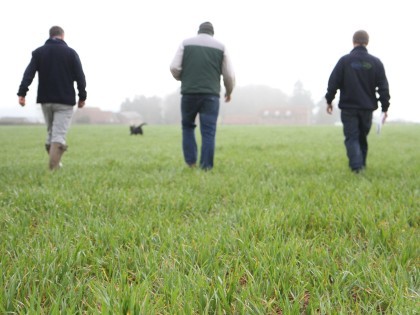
(126, 46)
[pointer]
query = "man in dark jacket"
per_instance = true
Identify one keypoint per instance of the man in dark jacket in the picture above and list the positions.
(360, 77)
(58, 67)
(199, 63)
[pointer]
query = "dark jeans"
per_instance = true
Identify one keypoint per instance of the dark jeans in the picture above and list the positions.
(356, 127)
(207, 107)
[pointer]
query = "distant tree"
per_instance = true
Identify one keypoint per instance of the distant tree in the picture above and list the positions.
(249, 103)
(172, 109)
(129, 106)
(301, 97)
(252, 99)
(150, 108)
(320, 114)
(153, 110)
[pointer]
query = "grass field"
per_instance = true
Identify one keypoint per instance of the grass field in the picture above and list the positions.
(279, 226)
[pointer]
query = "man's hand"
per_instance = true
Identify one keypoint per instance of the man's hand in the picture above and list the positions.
(227, 98)
(22, 101)
(80, 103)
(384, 117)
(329, 109)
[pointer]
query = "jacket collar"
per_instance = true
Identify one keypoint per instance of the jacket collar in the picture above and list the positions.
(360, 48)
(56, 41)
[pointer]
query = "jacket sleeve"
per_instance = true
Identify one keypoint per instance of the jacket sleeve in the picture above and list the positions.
(28, 76)
(80, 79)
(228, 73)
(176, 64)
(383, 88)
(335, 81)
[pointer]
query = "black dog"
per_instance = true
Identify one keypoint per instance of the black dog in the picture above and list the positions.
(137, 130)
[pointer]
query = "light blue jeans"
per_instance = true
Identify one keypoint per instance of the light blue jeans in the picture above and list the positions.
(58, 119)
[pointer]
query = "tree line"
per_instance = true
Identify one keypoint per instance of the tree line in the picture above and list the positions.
(250, 104)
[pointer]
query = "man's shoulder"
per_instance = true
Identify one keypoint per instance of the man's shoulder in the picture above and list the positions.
(61, 46)
(365, 55)
(205, 41)
(374, 57)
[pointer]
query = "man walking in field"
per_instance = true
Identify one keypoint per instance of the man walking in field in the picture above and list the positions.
(360, 77)
(58, 67)
(199, 63)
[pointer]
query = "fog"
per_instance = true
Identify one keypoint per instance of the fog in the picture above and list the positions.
(126, 46)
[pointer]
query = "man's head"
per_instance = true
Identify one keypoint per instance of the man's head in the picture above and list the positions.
(206, 28)
(56, 32)
(360, 38)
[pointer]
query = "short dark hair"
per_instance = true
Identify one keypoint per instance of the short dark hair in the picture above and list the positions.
(361, 37)
(56, 31)
(206, 28)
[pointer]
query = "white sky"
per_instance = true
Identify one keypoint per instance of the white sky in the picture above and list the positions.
(126, 46)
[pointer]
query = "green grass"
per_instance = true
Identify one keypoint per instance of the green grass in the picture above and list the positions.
(279, 226)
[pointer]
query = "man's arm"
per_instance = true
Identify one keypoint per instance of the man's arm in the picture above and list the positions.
(383, 89)
(176, 64)
(27, 79)
(334, 82)
(228, 76)
(80, 79)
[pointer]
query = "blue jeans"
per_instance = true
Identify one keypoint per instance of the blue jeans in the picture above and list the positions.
(207, 108)
(356, 127)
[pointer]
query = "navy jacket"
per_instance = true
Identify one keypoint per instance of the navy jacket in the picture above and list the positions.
(58, 67)
(360, 77)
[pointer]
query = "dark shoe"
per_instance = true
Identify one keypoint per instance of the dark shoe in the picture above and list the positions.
(358, 170)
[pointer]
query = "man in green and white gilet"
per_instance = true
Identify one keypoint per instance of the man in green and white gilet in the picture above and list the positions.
(199, 64)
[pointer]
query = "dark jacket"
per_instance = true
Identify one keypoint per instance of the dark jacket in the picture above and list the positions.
(359, 76)
(58, 67)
